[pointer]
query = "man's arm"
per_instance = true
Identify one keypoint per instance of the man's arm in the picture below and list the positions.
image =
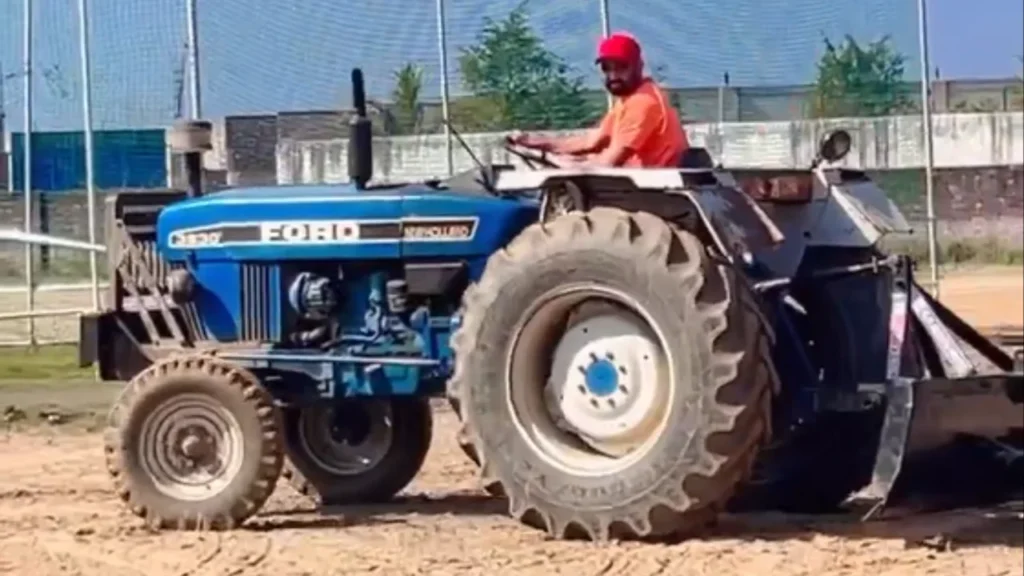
(593, 140)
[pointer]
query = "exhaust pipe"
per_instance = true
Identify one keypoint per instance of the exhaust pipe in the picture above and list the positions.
(360, 136)
(191, 138)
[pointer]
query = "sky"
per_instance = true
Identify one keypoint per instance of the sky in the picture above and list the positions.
(261, 56)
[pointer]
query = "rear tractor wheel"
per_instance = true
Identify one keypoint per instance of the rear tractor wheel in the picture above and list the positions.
(611, 378)
(357, 451)
(194, 442)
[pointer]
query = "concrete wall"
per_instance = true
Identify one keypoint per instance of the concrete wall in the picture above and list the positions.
(891, 143)
(979, 185)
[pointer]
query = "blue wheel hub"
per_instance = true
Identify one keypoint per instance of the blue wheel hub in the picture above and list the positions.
(601, 378)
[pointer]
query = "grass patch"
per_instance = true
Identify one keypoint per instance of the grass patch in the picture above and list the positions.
(965, 252)
(64, 266)
(42, 364)
(44, 386)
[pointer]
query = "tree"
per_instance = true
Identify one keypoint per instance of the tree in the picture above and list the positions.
(517, 83)
(857, 81)
(406, 99)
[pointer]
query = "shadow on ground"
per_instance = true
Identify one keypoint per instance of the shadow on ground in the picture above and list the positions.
(941, 531)
(397, 511)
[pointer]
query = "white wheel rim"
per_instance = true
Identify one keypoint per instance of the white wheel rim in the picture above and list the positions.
(191, 447)
(603, 401)
(317, 438)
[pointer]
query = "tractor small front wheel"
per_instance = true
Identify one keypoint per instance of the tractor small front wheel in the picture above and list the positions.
(194, 442)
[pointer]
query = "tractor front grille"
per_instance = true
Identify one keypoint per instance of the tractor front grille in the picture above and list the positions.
(259, 296)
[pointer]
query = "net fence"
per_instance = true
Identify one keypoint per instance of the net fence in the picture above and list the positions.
(749, 78)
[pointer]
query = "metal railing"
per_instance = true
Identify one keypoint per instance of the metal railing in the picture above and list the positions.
(30, 290)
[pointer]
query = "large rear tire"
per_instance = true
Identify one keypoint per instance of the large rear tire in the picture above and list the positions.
(194, 442)
(661, 371)
(367, 452)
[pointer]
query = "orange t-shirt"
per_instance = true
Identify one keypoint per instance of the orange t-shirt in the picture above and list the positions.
(648, 125)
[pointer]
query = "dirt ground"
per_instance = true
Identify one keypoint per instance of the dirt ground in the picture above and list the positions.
(59, 516)
(986, 298)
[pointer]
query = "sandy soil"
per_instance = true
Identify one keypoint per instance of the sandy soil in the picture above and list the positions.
(59, 516)
(986, 298)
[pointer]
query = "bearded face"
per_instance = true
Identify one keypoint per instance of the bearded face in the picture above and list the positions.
(620, 78)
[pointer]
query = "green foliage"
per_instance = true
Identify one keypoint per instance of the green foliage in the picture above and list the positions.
(961, 252)
(858, 81)
(406, 99)
(517, 83)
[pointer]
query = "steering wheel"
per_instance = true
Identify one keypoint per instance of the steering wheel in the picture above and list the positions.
(531, 159)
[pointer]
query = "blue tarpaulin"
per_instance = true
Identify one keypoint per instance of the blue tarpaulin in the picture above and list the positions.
(123, 159)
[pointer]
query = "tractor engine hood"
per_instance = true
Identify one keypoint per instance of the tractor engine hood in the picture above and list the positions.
(339, 221)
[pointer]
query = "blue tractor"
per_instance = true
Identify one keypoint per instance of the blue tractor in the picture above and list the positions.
(629, 352)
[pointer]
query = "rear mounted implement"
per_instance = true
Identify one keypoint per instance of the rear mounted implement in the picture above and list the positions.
(954, 415)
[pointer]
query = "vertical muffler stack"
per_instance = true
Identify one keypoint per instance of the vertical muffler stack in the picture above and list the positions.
(360, 136)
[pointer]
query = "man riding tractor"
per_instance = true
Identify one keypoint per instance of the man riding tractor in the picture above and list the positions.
(640, 130)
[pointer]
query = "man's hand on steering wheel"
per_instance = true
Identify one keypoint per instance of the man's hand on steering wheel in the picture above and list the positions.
(524, 140)
(517, 144)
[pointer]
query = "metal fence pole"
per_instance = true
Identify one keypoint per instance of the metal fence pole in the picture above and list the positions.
(90, 174)
(442, 53)
(5, 132)
(606, 31)
(721, 99)
(192, 25)
(27, 151)
(929, 151)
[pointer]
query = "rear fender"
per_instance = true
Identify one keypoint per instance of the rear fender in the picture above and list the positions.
(727, 217)
(856, 213)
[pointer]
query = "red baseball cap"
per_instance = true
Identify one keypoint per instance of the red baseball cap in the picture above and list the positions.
(619, 46)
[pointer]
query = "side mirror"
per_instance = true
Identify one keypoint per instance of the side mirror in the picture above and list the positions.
(835, 146)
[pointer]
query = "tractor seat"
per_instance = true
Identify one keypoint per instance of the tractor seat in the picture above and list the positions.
(696, 158)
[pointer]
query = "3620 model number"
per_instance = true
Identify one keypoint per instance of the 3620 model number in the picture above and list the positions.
(195, 239)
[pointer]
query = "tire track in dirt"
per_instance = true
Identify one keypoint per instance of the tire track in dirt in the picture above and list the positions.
(448, 528)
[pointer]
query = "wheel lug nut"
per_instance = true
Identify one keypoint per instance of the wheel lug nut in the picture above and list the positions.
(593, 402)
(609, 356)
(582, 389)
(623, 389)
